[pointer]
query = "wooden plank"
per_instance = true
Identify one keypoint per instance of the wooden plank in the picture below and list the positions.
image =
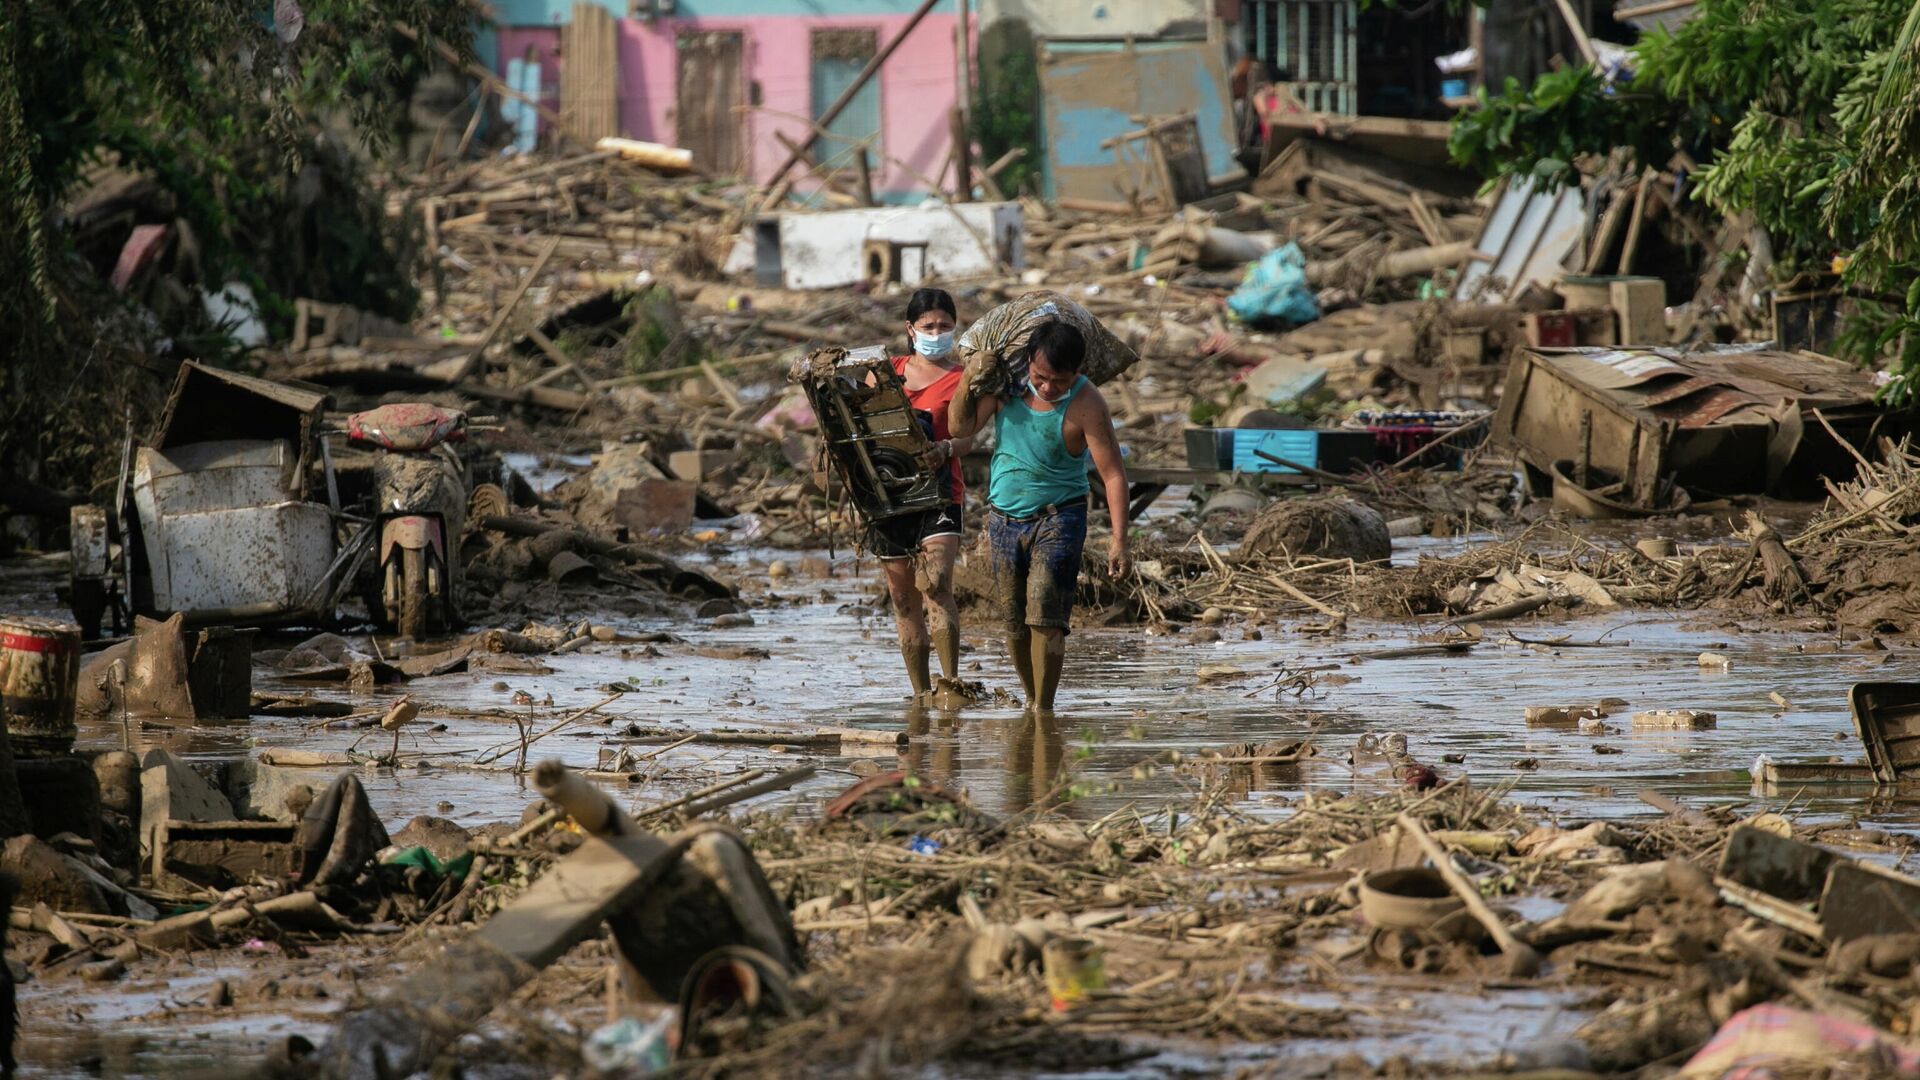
(1667, 804)
(472, 362)
(424, 1012)
(1609, 227)
(1633, 224)
(1641, 12)
(1580, 39)
(1424, 219)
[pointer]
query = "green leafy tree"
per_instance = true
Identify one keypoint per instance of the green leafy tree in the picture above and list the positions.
(1799, 112)
(1006, 114)
(227, 104)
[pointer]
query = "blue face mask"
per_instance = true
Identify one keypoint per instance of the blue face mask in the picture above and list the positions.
(933, 344)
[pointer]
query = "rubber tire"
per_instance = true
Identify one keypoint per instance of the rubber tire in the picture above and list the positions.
(413, 594)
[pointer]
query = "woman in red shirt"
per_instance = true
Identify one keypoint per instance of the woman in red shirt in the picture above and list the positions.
(930, 538)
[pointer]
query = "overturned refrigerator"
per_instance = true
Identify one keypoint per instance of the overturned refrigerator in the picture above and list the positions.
(1645, 428)
(219, 515)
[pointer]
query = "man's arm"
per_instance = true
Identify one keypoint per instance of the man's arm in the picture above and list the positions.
(1097, 421)
(968, 413)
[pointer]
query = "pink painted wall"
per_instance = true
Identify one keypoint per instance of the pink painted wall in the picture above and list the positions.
(917, 85)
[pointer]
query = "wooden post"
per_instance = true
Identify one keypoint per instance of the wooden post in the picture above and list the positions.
(1579, 32)
(846, 98)
(963, 51)
(863, 169)
(962, 157)
(963, 31)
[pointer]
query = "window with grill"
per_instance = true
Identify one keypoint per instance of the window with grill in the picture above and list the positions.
(1312, 43)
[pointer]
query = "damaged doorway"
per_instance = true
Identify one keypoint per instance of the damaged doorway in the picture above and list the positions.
(709, 93)
(837, 58)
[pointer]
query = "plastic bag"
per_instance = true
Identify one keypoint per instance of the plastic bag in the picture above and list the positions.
(1275, 290)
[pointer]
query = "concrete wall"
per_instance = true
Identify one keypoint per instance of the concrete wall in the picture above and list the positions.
(918, 85)
(1102, 18)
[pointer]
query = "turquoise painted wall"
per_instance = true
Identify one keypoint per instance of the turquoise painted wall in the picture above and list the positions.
(1170, 78)
(558, 12)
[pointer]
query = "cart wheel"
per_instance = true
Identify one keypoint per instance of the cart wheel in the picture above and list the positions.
(413, 593)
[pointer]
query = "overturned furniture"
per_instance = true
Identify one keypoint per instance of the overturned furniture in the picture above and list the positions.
(1722, 421)
(872, 432)
(1886, 716)
(1813, 890)
(692, 916)
(216, 516)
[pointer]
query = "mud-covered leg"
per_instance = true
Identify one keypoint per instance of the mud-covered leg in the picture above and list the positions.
(942, 612)
(1020, 647)
(1048, 652)
(910, 619)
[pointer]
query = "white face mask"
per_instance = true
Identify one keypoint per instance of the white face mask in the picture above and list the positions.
(1045, 398)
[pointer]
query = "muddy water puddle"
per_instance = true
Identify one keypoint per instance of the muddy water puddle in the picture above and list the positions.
(1130, 703)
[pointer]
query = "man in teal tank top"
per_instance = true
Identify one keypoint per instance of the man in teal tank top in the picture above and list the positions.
(1037, 497)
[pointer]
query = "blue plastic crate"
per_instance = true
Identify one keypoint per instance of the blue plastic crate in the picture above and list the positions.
(1301, 445)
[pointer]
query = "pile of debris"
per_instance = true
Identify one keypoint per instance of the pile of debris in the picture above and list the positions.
(1856, 560)
(1546, 564)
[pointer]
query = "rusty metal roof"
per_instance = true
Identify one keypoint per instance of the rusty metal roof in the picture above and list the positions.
(207, 403)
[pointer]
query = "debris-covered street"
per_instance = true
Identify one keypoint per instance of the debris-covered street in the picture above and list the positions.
(1214, 537)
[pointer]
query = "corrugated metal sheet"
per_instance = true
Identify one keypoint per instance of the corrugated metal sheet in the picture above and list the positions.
(1529, 237)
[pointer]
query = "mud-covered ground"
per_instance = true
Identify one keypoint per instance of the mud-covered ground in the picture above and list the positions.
(1138, 712)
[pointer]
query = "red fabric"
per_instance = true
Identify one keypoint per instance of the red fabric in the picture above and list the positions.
(934, 398)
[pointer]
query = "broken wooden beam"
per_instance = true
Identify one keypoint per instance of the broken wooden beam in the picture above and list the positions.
(546, 397)
(472, 363)
(408, 1026)
(1425, 260)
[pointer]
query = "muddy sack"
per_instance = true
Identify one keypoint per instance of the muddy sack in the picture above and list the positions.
(340, 835)
(1003, 332)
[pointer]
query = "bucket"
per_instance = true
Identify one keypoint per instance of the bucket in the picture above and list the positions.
(39, 673)
(1073, 968)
